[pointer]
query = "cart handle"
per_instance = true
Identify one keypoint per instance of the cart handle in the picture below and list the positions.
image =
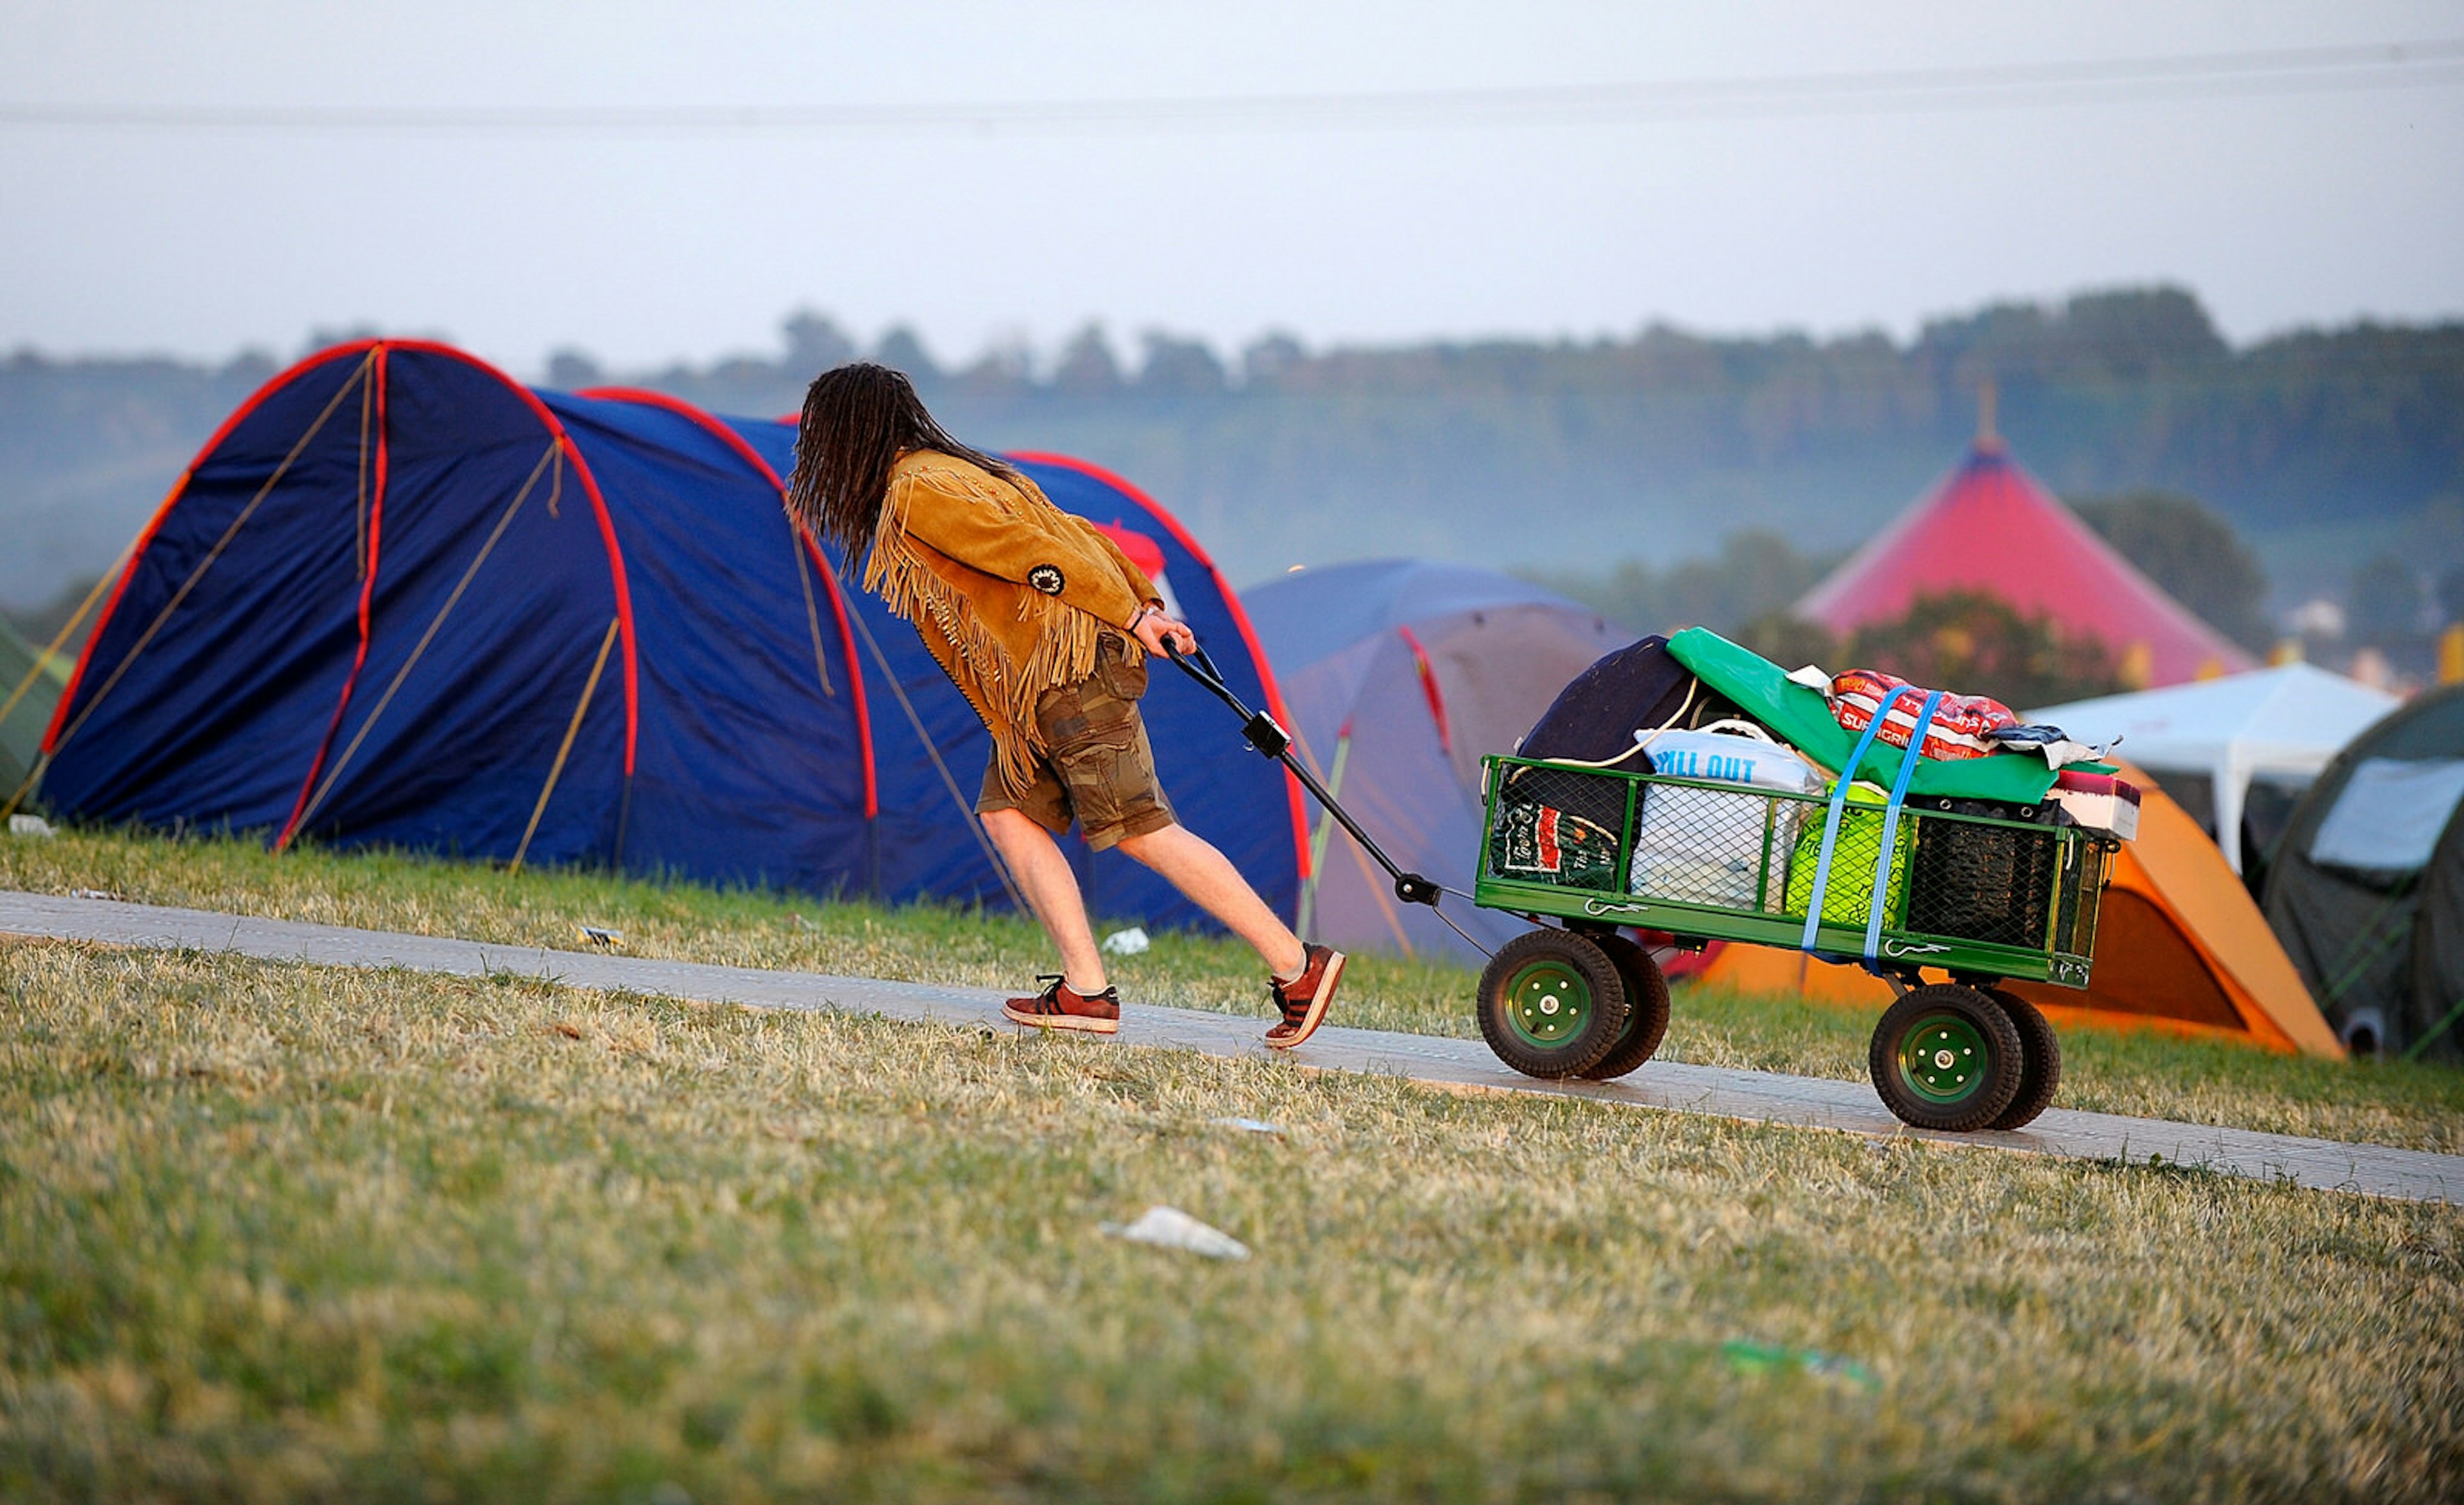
(1267, 736)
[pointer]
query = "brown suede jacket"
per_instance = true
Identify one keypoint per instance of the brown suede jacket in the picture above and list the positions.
(1009, 592)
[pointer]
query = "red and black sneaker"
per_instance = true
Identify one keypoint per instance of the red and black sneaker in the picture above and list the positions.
(1059, 1007)
(1303, 1000)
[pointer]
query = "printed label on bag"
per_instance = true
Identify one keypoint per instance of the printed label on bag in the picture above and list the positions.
(1539, 839)
(1685, 762)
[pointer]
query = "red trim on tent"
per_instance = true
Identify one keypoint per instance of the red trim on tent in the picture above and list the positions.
(735, 442)
(368, 596)
(1429, 688)
(154, 524)
(1240, 619)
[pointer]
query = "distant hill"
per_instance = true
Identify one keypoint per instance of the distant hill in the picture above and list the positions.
(1547, 456)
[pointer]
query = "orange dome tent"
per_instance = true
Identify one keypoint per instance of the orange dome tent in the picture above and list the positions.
(2179, 947)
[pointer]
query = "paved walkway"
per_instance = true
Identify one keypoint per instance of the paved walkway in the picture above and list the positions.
(1760, 1097)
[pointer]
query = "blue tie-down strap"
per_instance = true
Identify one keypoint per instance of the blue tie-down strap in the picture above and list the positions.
(1891, 829)
(1838, 807)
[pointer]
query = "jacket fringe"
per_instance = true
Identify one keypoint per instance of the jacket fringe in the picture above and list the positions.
(1003, 696)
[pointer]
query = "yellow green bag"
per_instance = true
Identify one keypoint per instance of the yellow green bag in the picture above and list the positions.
(1847, 898)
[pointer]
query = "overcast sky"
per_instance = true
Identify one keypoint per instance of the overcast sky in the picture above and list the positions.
(2280, 207)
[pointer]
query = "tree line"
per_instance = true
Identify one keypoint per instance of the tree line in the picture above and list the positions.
(1554, 456)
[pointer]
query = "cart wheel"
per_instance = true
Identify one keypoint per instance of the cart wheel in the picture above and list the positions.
(1551, 1003)
(2041, 1061)
(1945, 1057)
(1646, 1010)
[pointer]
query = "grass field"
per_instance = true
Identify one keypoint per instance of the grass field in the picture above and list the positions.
(2409, 1105)
(271, 1231)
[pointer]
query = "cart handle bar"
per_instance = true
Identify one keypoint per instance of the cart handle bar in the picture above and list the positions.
(1267, 736)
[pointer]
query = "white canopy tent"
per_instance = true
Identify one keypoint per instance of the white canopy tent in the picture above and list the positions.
(2283, 725)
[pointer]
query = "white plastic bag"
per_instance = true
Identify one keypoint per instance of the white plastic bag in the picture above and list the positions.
(1170, 1227)
(1695, 845)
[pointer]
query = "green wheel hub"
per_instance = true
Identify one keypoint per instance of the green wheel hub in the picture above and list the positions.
(1946, 1059)
(1547, 1004)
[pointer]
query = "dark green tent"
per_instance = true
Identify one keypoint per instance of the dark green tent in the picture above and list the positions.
(2366, 886)
(21, 730)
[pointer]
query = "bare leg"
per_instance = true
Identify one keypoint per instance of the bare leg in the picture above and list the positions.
(1214, 885)
(1052, 892)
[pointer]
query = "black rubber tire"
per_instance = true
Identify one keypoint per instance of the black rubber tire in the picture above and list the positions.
(2041, 1061)
(1646, 1010)
(1536, 959)
(1969, 1022)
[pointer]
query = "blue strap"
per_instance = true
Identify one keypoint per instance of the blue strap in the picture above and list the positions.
(1838, 806)
(1891, 828)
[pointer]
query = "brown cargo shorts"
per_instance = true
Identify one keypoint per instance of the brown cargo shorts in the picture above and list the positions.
(1095, 765)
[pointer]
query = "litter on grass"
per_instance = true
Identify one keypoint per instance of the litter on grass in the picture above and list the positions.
(1750, 1357)
(96, 893)
(1170, 1227)
(1247, 1125)
(600, 936)
(28, 826)
(1126, 943)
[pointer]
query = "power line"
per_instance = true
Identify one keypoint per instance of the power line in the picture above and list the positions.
(2307, 70)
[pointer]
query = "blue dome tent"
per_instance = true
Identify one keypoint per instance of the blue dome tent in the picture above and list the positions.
(1403, 676)
(401, 600)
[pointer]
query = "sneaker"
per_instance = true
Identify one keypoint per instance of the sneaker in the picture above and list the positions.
(1058, 1007)
(1303, 1000)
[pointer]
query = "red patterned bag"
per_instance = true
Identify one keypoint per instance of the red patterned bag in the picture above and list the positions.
(1962, 725)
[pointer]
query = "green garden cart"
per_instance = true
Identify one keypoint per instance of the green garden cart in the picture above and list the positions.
(1976, 899)
(1968, 869)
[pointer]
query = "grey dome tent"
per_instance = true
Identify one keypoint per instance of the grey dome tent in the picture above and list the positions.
(1401, 674)
(2367, 884)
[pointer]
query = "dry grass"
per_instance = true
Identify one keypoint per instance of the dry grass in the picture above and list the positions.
(2409, 1105)
(271, 1231)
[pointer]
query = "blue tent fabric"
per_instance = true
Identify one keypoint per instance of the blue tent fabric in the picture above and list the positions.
(748, 725)
(171, 744)
(1411, 671)
(512, 537)
(220, 679)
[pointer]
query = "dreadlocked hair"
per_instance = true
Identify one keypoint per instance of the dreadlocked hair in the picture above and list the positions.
(857, 420)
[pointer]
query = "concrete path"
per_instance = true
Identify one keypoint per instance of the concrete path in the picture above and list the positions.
(1759, 1096)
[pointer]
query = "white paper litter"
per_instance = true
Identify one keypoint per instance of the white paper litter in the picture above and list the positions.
(1247, 1125)
(1126, 943)
(28, 826)
(1170, 1227)
(95, 893)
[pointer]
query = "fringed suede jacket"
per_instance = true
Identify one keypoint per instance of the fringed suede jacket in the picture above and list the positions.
(1010, 593)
